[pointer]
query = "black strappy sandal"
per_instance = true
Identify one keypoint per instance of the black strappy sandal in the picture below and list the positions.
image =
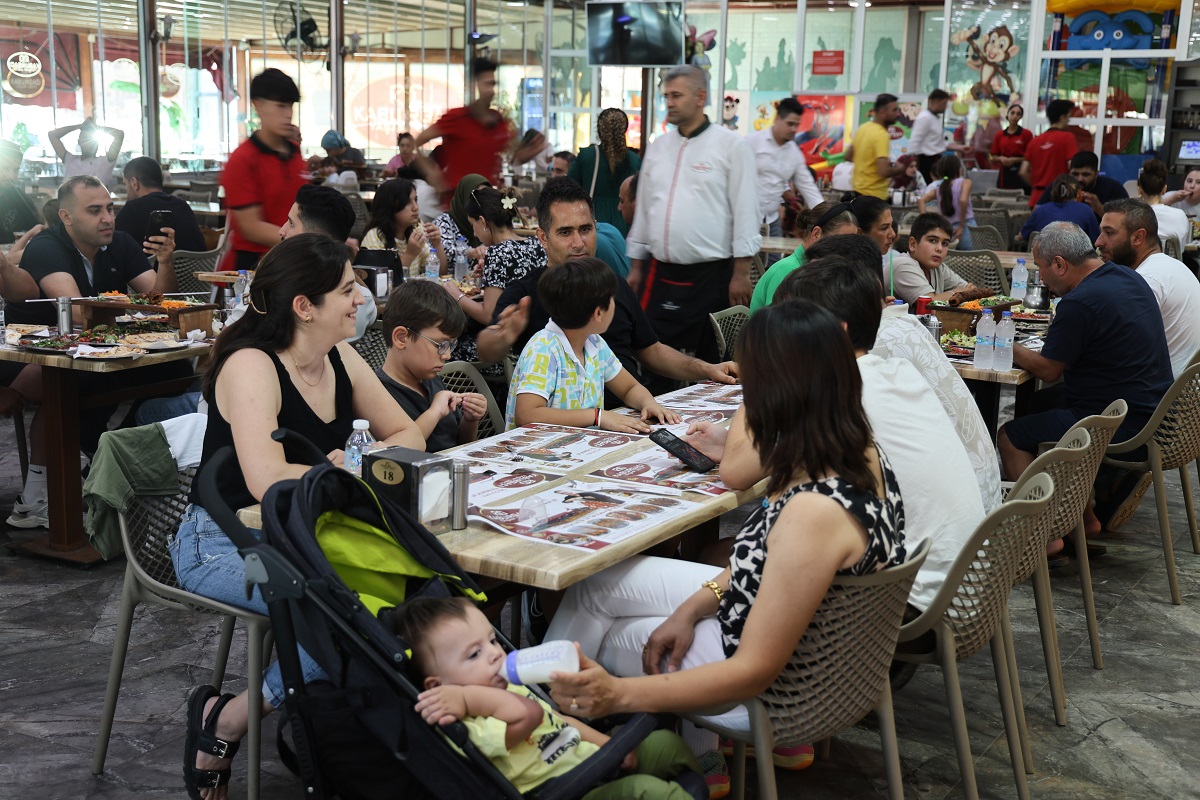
(202, 738)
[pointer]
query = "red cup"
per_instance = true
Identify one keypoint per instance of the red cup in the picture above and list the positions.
(923, 304)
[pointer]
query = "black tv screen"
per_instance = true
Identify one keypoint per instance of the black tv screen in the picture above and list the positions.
(645, 34)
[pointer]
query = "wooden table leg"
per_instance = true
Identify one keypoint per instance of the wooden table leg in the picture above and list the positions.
(66, 540)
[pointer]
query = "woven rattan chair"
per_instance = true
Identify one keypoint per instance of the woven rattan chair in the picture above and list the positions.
(837, 675)
(360, 215)
(968, 612)
(460, 376)
(189, 262)
(372, 346)
(997, 218)
(1172, 440)
(980, 267)
(985, 237)
(727, 325)
(146, 531)
(758, 266)
(909, 218)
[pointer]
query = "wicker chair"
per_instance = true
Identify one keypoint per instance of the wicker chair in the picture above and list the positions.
(837, 675)
(146, 532)
(998, 219)
(909, 218)
(980, 267)
(758, 266)
(372, 346)
(361, 216)
(1172, 439)
(189, 262)
(461, 376)
(968, 612)
(985, 237)
(727, 325)
(1171, 247)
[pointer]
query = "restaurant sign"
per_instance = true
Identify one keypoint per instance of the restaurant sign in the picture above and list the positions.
(24, 77)
(829, 62)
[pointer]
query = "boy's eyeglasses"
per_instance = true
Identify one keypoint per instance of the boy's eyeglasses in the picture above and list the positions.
(443, 348)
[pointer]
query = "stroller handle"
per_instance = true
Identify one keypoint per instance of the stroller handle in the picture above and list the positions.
(214, 503)
(299, 449)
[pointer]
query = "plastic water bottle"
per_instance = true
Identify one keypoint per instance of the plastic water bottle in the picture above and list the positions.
(432, 267)
(985, 341)
(1020, 280)
(462, 267)
(1006, 331)
(534, 664)
(357, 444)
(239, 287)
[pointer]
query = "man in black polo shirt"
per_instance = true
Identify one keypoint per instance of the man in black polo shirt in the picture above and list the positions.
(144, 193)
(84, 256)
(567, 229)
(1096, 189)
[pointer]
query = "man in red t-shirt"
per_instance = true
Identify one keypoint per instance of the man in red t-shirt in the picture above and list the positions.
(475, 137)
(263, 174)
(1049, 154)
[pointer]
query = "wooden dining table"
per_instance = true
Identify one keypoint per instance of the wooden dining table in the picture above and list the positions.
(784, 245)
(986, 386)
(62, 406)
(504, 558)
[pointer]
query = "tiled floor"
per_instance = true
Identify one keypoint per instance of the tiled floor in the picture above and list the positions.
(1132, 728)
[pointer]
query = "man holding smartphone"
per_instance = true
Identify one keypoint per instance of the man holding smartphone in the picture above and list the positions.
(144, 195)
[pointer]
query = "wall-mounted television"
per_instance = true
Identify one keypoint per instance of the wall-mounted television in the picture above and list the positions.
(635, 34)
(1189, 150)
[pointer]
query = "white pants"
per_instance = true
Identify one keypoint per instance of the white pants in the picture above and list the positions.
(613, 613)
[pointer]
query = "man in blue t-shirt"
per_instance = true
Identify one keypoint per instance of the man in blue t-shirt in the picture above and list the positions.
(1107, 343)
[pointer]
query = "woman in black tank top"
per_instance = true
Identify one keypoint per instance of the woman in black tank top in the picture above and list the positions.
(285, 363)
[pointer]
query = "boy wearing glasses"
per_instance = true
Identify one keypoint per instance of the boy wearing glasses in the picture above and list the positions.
(422, 324)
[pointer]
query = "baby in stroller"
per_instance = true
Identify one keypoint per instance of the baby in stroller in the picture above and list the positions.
(456, 651)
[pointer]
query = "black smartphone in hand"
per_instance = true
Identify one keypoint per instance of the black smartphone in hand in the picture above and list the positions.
(693, 458)
(158, 220)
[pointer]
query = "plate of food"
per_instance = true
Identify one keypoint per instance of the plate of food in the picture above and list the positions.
(959, 339)
(113, 295)
(91, 353)
(53, 344)
(956, 352)
(101, 336)
(158, 344)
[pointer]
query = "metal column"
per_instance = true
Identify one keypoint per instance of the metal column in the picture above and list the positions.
(337, 65)
(148, 76)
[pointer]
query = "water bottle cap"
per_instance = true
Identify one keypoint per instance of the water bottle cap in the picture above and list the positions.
(1020, 262)
(362, 425)
(897, 302)
(1006, 314)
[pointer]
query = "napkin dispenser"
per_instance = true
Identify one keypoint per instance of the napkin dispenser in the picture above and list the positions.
(422, 483)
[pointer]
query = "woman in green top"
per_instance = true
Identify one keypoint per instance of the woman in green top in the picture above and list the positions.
(825, 219)
(602, 168)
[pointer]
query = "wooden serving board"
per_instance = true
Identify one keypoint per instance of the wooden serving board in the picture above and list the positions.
(105, 312)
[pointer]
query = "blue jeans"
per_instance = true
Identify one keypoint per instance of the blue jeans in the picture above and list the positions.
(207, 563)
(157, 409)
(964, 241)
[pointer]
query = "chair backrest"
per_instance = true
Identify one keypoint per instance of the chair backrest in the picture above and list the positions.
(758, 266)
(980, 267)
(985, 237)
(1172, 247)
(460, 376)
(372, 346)
(996, 192)
(998, 219)
(360, 215)
(838, 671)
(727, 325)
(1072, 491)
(909, 218)
(975, 593)
(189, 262)
(1030, 240)
(148, 527)
(195, 196)
(1175, 425)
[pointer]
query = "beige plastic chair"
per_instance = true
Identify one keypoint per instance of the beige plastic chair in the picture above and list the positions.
(985, 237)
(837, 675)
(196, 196)
(1172, 440)
(461, 376)
(146, 531)
(372, 346)
(1016, 194)
(998, 218)
(969, 611)
(361, 217)
(980, 267)
(1171, 247)
(727, 325)
(1073, 487)
(189, 262)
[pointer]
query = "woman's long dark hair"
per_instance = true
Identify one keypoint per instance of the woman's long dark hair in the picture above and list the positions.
(390, 197)
(308, 264)
(868, 210)
(808, 417)
(488, 203)
(948, 168)
(1064, 189)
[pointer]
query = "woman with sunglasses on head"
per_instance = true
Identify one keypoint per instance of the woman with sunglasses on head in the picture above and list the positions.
(284, 364)
(824, 219)
(395, 224)
(687, 636)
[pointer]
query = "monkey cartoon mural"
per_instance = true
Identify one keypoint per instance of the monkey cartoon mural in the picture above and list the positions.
(990, 61)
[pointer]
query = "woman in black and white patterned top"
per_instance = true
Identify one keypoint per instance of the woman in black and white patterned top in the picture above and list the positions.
(833, 507)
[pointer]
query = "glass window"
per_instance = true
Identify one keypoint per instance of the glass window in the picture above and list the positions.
(883, 49)
(929, 68)
(829, 31)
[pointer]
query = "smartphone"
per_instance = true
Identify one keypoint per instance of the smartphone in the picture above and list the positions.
(693, 458)
(158, 220)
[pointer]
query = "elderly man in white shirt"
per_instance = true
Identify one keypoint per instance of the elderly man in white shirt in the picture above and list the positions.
(697, 220)
(782, 168)
(928, 138)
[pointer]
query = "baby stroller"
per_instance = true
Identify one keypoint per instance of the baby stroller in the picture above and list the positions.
(334, 555)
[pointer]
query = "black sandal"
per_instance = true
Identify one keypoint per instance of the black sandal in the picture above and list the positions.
(202, 738)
